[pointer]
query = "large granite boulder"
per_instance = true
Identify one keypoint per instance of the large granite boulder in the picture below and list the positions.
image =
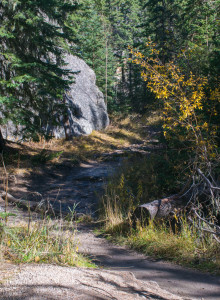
(86, 107)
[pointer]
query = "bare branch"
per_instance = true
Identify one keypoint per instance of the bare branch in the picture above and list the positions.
(211, 187)
(204, 220)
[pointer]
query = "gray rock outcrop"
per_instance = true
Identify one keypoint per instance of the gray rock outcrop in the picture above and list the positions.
(86, 107)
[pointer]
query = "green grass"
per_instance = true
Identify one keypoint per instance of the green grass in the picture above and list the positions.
(51, 242)
(186, 248)
(141, 181)
(45, 156)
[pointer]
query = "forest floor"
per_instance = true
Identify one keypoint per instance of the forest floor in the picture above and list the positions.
(74, 179)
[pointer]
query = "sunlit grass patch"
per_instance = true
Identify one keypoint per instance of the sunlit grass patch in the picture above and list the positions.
(42, 242)
(122, 132)
(186, 247)
(143, 180)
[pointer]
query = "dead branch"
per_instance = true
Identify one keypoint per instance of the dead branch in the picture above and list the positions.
(33, 205)
(211, 187)
(205, 221)
(215, 234)
(184, 201)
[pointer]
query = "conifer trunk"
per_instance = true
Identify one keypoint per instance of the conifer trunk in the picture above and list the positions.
(2, 141)
(106, 72)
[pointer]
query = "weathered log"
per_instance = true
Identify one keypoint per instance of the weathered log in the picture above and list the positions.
(156, 209)
(162, 208)
(32, 205)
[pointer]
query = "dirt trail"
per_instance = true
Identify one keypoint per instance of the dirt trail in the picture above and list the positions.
(40, 282)
(81, 185)
(173, 278)
(66, 188)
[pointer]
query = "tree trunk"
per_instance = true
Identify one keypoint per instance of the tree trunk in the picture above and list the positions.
(106, 72)
(163, 208)
(130, 79)
(2, 141)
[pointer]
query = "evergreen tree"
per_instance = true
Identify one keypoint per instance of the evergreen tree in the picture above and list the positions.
(161, 22)
(176, 25)
(124, 17)
(199, 28)
(92, 33)
(32, 80)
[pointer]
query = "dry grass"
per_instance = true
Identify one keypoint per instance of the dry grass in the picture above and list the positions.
(123, 132)
(125, 191)
(186, 247)
(44, 241)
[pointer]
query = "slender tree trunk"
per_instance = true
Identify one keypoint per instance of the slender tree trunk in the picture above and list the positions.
(2, 141)
(123, 74)
(106, 72)
(130, 79)
(105, 27)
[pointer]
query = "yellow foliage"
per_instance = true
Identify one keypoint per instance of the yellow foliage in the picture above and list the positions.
(183, 99)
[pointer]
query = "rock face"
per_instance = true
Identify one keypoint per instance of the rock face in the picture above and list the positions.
(86, 107)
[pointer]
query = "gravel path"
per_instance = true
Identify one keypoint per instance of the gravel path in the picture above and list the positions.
(175, 279)
(37, 282)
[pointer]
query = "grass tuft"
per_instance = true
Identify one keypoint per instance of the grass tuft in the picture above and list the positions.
(140, 182)
(186, 247)
(50, 242)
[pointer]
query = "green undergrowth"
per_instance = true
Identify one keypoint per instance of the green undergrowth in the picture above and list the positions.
(141, 180)
(185, 248)
(47, 241)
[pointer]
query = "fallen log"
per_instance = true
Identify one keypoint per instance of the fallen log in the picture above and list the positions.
(163, 208)
(32, 205)
(42, 206)
(197, 202)
(156, 209)
(166, 208)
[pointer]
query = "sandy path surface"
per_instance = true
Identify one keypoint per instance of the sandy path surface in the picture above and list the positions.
(175, 279)
(37, 282)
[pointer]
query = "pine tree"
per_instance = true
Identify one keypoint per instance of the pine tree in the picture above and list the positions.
(92, 33)
(124, 17)
(32, 80)
(162, 17)
(199, 29)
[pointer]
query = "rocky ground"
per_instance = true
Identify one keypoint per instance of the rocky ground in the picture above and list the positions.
(54, 282)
